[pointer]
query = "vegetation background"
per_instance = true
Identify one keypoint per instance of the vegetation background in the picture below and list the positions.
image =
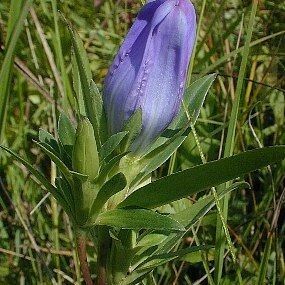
(36, 240)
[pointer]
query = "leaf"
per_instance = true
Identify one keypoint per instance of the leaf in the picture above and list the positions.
(194, 212)
(77, 86)
(40, 177)
(85, 157)
(62, 167)
(193, 100)
(66, 133)
(83, 178)
(111, 144)
(46, 137)
(147, 246)
(93, 103)
(135, 277)
(105, 170)
(138, 219)
(97, 115)
(58, 195)
(201, 177)
(139, 273)
(153, 160)
(133, 126)
(116, 184)
(157, 260)
(150, 239)
(65, 189)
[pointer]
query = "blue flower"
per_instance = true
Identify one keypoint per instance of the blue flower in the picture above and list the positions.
(149, 72)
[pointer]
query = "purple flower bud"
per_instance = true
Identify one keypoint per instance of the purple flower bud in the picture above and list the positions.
(149, 71)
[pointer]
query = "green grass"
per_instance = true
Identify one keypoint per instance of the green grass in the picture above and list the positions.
(243, 43)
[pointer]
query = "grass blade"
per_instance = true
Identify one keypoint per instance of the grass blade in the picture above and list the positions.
(229, 148)
(7, 65)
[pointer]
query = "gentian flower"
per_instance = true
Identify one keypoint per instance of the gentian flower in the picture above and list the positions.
(150, 69)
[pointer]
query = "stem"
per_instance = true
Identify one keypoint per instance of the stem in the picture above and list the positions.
(102, 277)
(103, 247)
(81, 250)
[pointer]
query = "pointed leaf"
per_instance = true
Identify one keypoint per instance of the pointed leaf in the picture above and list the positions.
(65, 189)
(93, 104)
(193, 100)
(66, 131)
(85, 157)
(111, 144)
(138, 219)
(46, 137)
(77, 87)
(105, 170)
(157, 260)
(61, 166)
(116, 184)
(194, 212)
(97, 115)
(201, 177)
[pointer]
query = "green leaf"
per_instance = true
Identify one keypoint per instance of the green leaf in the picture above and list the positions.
(135, 277)
(56, 192)
(138, 274)
(116, 184)
(133, 127)
(77, 87)
(85, 157)
(83, 178)
(47, 138)
(150, 239)
(156, 158)
(82, 68)
(97, 115)
(138, 219)
(193, 100)
(157, 260)
(66, 132)
(194, 212)
(147, 245)
(105, 170)
(65, 189)
(111, 144)
(61, 166)
(40, 177)
(93, 104)
(201, 177)
(84, 195)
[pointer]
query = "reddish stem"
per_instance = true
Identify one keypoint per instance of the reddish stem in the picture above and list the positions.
(81, 250)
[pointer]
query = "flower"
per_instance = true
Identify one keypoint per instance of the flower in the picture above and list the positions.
(149, 72)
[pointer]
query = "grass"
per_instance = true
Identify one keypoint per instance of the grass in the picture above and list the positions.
(243, 43)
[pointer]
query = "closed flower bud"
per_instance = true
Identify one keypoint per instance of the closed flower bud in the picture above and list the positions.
(85, 158)
(150, 69)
